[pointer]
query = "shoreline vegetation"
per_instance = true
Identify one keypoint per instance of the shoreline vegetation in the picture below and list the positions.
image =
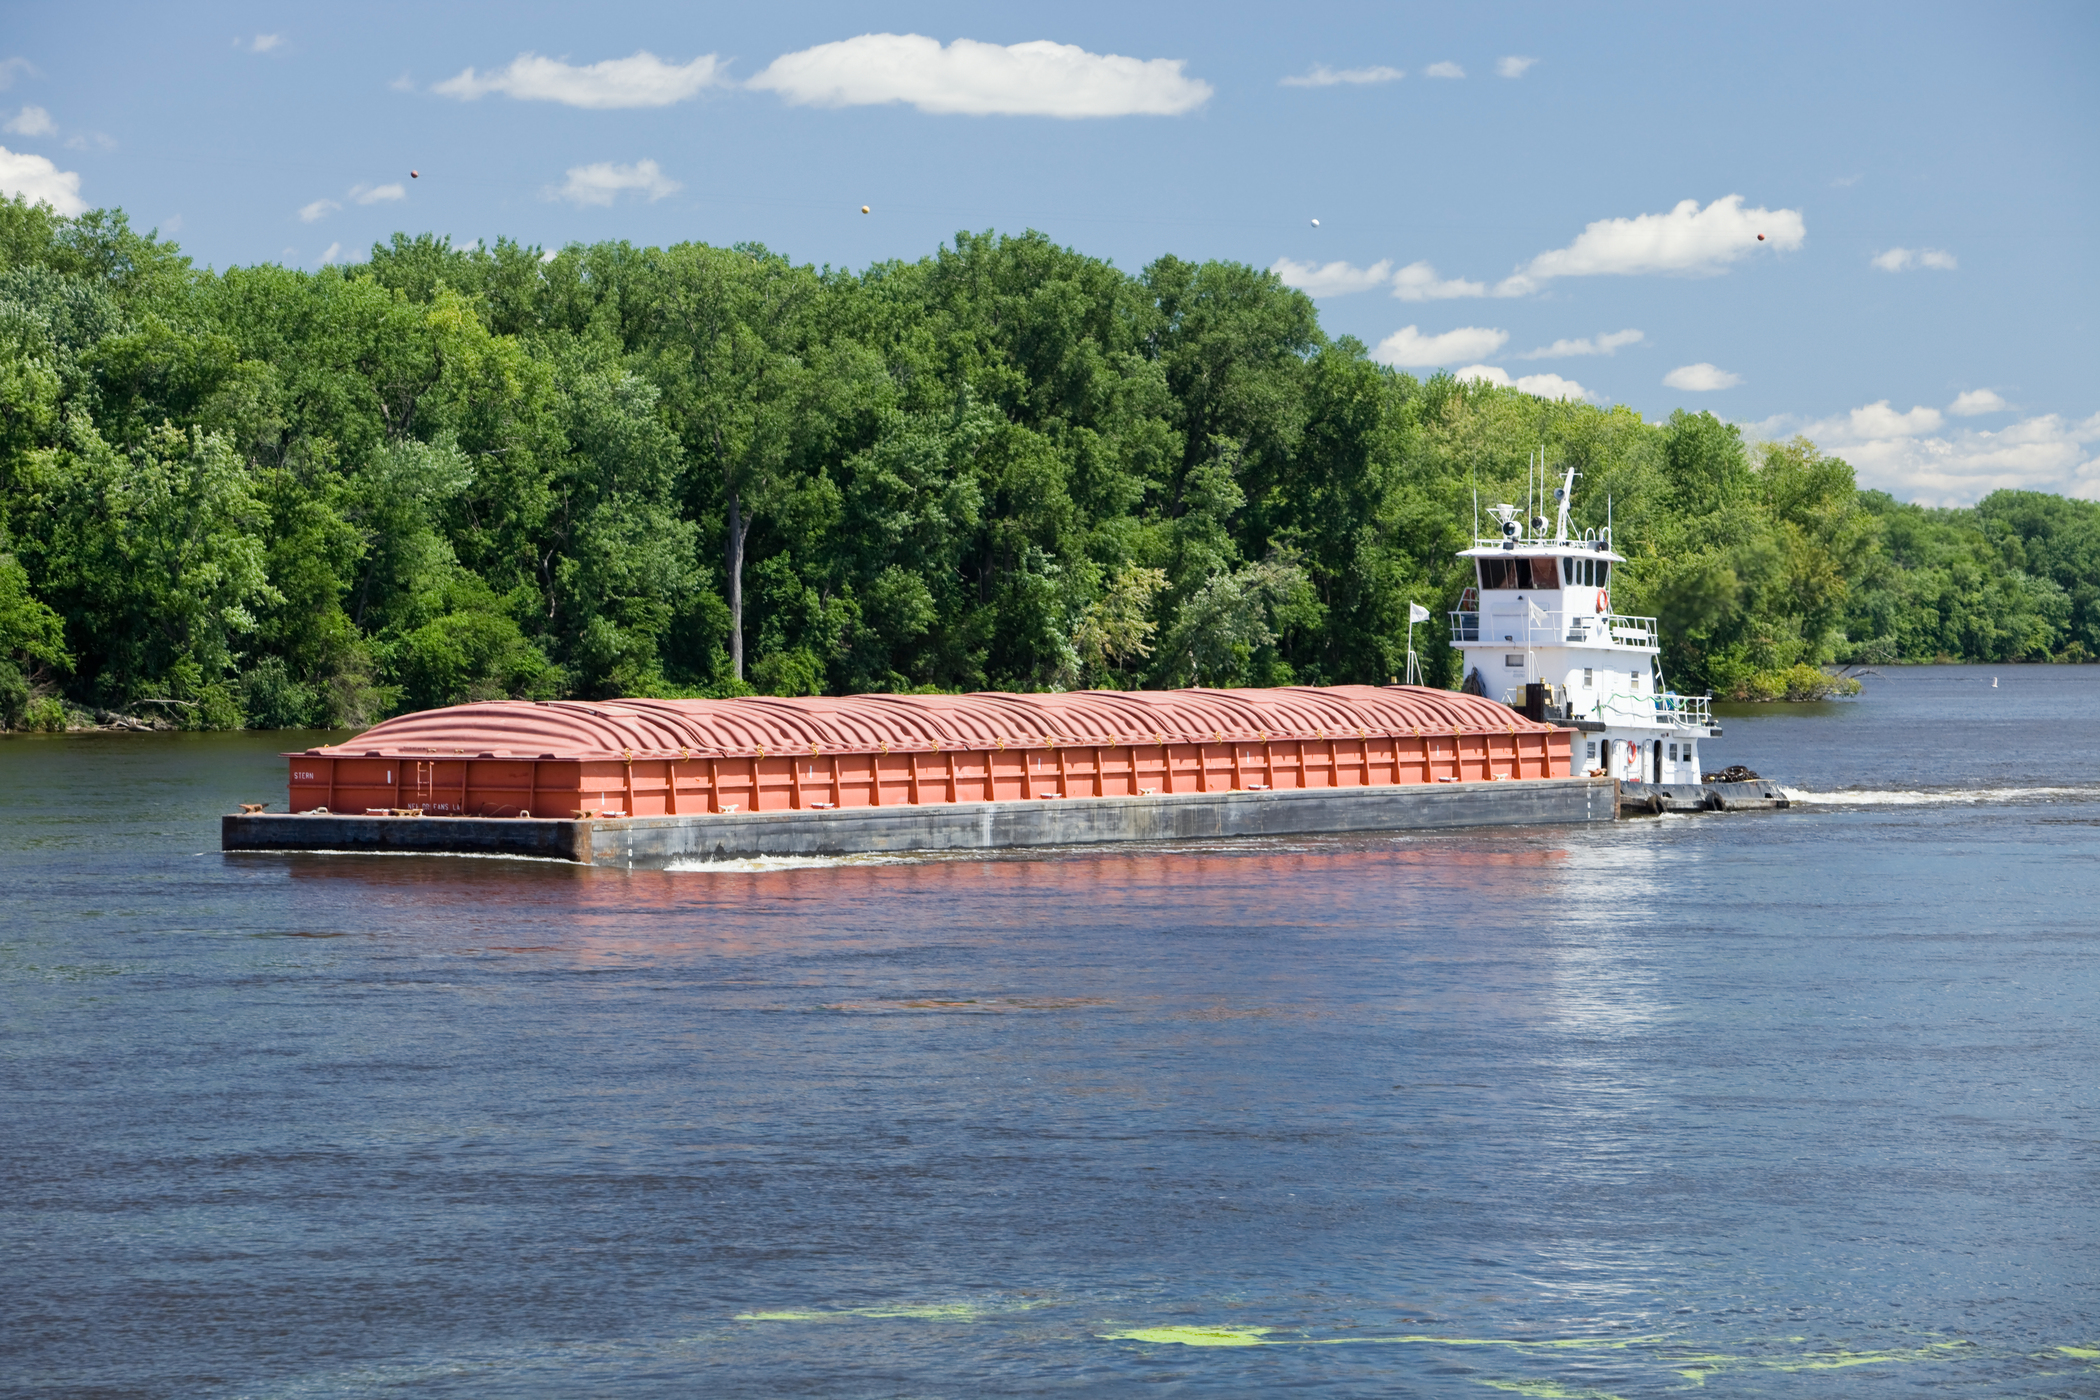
(278, 498)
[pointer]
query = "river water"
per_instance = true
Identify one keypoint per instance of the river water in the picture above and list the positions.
(1796, 1104)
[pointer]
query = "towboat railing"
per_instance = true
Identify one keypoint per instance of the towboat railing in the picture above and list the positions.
(1672, 708)
(1668, 708)
(1634, 631)
(1556, 629)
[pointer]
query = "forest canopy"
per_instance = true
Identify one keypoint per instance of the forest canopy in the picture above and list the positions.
(285, 498)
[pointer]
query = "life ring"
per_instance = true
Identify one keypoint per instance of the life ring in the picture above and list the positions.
(1603, 602)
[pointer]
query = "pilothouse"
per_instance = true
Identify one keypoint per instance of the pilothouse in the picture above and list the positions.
(1538, 632)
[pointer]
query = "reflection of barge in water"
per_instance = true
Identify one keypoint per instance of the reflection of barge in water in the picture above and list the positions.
(1538, 633)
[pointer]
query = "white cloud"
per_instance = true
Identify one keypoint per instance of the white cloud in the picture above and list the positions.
(1843, 182)
(261, 43)
(1609, 344)
(41, 182)
(1701, 378)
(1446, 69)
(1513, 66)
(335, 250)
(378, 194)
(11, 66)
(1878, 420)
(1408, 348)
(1320, 75)
(1546, 386)
(1415, 282)
(1036, 79)
(1418, 282)
(602, 183)
(31, 121)
(319, 209)
(1333, 279)
(550, 255)
(639, 80)
(99, 140)
(1688, 240)
(1908, 454)
(1974, 401)
(1901, 259)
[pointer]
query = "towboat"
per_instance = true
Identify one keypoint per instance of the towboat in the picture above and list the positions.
(1538, 633)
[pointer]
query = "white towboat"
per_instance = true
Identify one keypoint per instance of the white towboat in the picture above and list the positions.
(1538, 633)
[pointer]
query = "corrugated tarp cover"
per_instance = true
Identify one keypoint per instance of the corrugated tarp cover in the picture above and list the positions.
(852, 724)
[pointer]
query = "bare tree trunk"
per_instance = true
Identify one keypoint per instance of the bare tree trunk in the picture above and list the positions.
(739, 526)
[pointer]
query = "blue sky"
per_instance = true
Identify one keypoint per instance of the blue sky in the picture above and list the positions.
(1500, 189)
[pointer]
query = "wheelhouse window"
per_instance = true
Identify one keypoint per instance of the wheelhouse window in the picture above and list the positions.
(1540, 572)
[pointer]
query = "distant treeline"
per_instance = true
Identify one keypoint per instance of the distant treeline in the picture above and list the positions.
(277, 498)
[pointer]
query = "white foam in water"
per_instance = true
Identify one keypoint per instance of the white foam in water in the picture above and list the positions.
(1918, 797)
(760, 864)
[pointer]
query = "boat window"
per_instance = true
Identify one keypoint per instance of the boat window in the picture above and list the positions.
(1513, 659)
(1673, 753)
(1589, 573)
(1587, 679)
(1545, 572)
(1590, 749)
(1499, 573)
(1567, 571)
(1603, 573)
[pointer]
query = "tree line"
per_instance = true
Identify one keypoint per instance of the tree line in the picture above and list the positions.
(282, 498)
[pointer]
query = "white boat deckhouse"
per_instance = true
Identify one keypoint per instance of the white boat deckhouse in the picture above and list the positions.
(1538, 633)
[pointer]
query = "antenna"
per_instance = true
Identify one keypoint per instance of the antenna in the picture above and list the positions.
(1565, 495)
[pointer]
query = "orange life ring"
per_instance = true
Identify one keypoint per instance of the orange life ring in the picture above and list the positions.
(1603, 603)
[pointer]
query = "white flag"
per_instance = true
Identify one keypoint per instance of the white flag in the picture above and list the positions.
(1417, 613)
(1538, 614)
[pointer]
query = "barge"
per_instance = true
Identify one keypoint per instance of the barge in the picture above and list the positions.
(638, 782)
